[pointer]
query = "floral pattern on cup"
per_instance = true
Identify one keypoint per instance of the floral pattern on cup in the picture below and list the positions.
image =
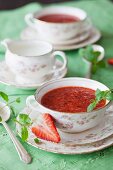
(69, 144)
(29, 61)
(78, 121)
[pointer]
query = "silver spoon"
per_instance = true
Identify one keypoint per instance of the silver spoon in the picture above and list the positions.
(5, 115)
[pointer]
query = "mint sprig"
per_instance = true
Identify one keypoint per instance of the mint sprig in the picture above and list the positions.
(92, 56)
(99, 96)
(9, 103)
(24, 121)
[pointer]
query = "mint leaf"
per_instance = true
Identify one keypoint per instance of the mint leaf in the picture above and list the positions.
(18, 100)
(109, 96)
(24, 133)
(0, 119)
(91, 106)
(36, 140)
(24, 119)
(12, 110)
(92, 56)
(102, 64)
(82, 52)
(94, 68)
(96, 55)
(100, 95)
(4, 96)
(98, 92)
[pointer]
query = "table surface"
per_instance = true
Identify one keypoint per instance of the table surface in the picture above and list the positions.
(11, 24)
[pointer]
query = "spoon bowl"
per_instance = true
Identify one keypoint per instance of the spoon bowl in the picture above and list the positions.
(4, 112)
(5, 115)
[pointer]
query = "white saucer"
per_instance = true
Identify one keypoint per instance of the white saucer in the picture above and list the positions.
(8, 78)
(88, 141)
(30, 33)
(93, 37)
(85, 39)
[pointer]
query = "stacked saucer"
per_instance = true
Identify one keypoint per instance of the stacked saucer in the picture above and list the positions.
(64, 27)
(92, 140)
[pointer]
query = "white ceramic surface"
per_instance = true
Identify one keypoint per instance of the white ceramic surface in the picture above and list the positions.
(59, 31)
(31, 33)
(69, 145)
(94, 35)
(32, 60)
(7, 77)
(70, 122)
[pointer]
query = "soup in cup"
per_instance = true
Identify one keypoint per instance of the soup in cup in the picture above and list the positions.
(67, 101)
(59, 23)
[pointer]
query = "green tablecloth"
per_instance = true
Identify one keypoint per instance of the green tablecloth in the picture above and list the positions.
(11, 24)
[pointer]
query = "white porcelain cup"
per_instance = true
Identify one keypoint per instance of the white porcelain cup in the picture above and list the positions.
(59, 31)
(69, 122)
(32, 60)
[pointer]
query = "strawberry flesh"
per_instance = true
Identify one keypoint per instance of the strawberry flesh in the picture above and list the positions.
(47, 129)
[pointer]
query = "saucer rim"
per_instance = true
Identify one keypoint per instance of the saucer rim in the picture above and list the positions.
(33, 86)
(106, 142)
(70, 41)
(94, 36)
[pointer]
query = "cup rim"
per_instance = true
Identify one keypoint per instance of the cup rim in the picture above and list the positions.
(59, 7)
(81, 113)
(30, 41)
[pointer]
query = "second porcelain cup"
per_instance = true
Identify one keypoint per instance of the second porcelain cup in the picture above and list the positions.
(59, 31)
(32, 60)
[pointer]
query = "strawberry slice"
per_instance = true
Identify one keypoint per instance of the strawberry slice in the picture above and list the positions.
(46, 129)
(110, 61)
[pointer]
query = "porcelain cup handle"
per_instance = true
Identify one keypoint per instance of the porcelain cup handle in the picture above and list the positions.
(5, 42)
(57, 70)
(63, 56)
(29, 101)
(29, 20)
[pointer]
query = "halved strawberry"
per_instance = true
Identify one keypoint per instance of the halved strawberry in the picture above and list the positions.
(110, 61)
(46, 129)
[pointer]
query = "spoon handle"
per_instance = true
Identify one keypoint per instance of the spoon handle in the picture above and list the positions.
(23, 154)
